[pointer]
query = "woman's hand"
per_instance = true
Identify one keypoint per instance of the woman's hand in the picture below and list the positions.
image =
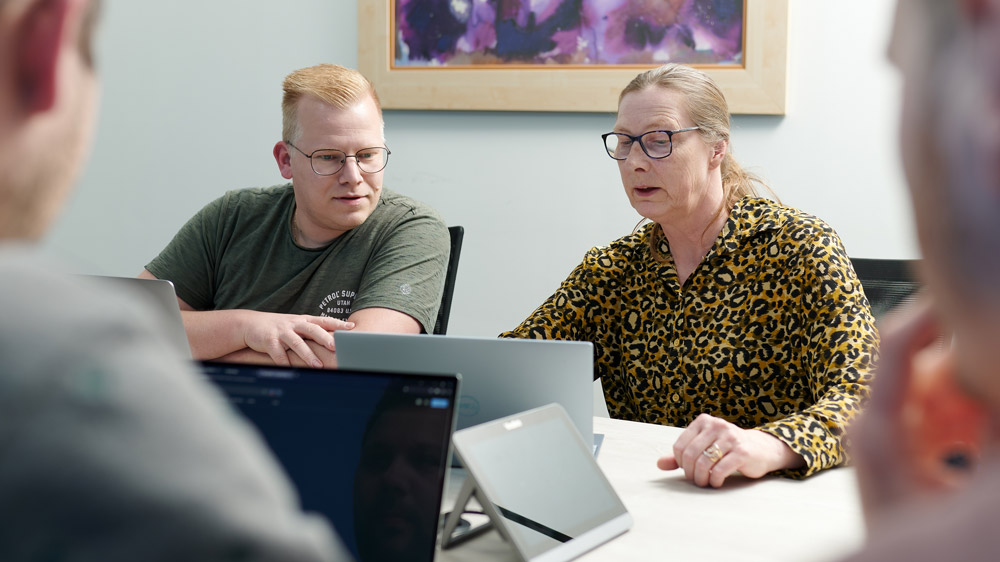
(712, 449)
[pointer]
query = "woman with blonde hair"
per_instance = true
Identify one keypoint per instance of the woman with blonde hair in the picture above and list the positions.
(728, 313)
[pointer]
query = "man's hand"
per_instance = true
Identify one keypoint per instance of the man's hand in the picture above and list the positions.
(277, 334)
(711, 449)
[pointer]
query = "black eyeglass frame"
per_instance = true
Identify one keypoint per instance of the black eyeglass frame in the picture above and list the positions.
(346, 156)
(642, 145)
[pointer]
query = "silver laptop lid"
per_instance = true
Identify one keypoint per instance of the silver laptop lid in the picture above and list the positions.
(500, 377)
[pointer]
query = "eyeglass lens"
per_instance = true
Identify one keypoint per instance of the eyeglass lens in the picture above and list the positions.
(329, 162)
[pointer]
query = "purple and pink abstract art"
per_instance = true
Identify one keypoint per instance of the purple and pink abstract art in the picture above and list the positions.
(466, 33)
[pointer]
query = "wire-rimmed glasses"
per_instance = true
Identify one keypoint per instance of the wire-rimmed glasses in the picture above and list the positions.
(329, 161)
(656, 144)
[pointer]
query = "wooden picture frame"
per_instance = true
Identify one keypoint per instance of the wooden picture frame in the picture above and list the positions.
(758, 87)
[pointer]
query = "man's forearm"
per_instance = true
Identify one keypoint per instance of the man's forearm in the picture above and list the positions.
(248, 355)
(216, 334)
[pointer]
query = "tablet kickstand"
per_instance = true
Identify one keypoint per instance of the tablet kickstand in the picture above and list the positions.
(453, 519)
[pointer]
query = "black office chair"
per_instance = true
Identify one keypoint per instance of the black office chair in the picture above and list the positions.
(887, 283)
(457, 234)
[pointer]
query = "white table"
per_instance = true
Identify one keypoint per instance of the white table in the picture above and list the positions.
(771, 519)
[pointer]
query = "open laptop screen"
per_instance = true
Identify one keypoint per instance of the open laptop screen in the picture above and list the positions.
(367, 450)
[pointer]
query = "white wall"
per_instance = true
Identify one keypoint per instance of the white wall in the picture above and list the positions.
(191, 109)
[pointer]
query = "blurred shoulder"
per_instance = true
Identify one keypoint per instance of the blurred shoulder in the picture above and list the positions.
(63, 309)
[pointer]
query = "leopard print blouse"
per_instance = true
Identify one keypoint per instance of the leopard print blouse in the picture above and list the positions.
(771, 331)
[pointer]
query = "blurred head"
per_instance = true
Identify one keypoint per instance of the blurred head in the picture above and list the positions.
(330, 108)
(946, 51)
(48, 95)
(705, 104)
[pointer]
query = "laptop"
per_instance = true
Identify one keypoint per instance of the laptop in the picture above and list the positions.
(162, 295)
(500, 377)
(369, 451)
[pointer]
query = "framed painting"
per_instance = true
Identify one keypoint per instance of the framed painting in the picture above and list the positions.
(567, 55)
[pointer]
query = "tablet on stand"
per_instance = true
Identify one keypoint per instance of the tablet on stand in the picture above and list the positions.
(539, 484)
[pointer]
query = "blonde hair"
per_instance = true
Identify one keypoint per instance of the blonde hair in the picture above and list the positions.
(338, 86)
(708, 108)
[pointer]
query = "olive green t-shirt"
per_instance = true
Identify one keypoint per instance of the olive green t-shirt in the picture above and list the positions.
(238, 252)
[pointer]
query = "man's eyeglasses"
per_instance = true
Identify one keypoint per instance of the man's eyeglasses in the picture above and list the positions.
(656, 144)
(327, 161)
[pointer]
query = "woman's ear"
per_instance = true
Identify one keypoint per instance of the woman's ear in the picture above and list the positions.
(719, 150)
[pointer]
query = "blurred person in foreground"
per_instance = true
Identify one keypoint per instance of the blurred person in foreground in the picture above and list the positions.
(111, 447)
(729, 314)
(948, 54)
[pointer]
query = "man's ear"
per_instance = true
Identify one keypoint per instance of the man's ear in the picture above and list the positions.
(284, 159)
(40, 34)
